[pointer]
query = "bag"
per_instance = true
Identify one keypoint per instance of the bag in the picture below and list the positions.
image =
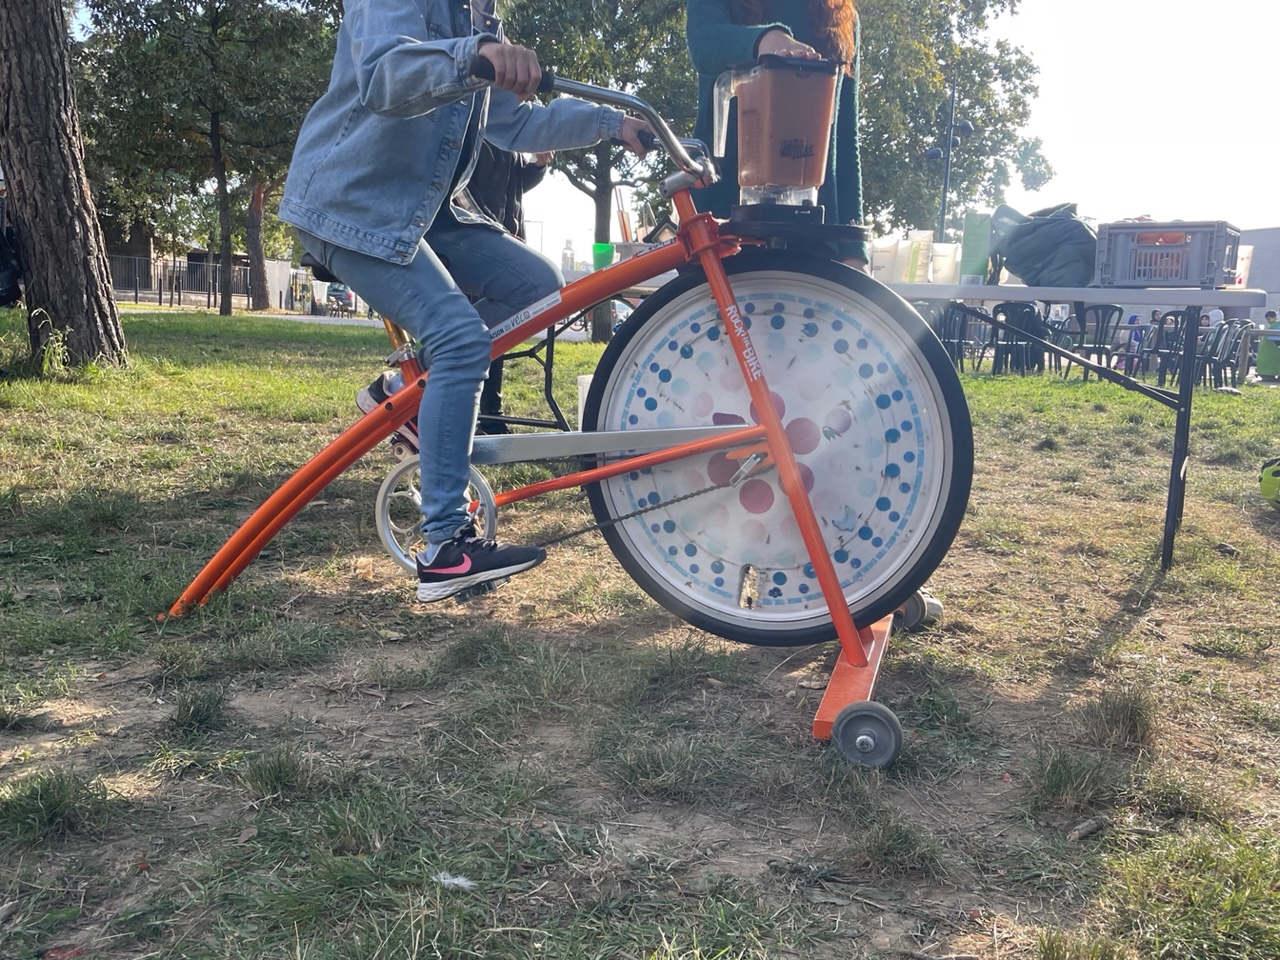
(1049, 248)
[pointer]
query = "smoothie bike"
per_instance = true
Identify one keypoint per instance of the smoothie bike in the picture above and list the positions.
(775, 446)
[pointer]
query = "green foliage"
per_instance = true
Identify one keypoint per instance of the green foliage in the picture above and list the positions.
(183, 102)
(911, 52)
(636, 47)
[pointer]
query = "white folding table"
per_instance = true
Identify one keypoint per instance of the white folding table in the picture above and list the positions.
(1192, 300)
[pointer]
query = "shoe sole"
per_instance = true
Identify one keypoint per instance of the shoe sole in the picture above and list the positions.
(433, 592)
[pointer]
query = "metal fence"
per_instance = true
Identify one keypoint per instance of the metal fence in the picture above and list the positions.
(175, 281)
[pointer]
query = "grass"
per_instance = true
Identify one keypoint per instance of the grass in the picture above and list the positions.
(314, 766)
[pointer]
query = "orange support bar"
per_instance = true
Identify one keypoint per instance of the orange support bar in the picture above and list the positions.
(703, 240)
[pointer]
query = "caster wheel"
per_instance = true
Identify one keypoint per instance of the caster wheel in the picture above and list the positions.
(920, 610)
(868, 734)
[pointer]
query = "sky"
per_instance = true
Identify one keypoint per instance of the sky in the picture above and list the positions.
(1165, 108)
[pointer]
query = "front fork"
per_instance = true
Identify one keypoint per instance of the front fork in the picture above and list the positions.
(703, 241)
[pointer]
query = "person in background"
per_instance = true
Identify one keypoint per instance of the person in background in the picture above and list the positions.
(496, 190)
(378, 160)
(728, 33)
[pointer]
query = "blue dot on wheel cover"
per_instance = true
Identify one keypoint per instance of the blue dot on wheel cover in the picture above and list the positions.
(909, 457)
(892, 436)
(809, 571)
(695, 327)
(862, 343)
(654, 528)
(690, 550)
(651, 404)
(717, 566)
(672, 550)
(864, 533)
(883, 401)
(664, 375)
(655, 367)
(808, 313)
(894, 516)
(803, 588)
(897, 395)
(855, 563)
(866, 370)
(653, 498)
(883, 503)
(877, 542)
(841, 346)
(713, 333)
(633, 419)
(779, 578)
(840, 556)
(904, 488)
(749, 307)
(837, 324)
(882, 367)
(809, 329)
(906, 426)
(719, 581)
(777, 321)
(892, 470)
(693, 568)
(669, 526)
(686, 351)
(779, 307)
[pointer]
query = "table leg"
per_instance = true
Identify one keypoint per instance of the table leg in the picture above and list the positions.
(1181, 440)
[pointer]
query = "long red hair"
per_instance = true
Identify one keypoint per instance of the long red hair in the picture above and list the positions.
(831, 23)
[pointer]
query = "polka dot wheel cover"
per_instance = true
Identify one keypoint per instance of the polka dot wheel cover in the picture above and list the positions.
(844, 393)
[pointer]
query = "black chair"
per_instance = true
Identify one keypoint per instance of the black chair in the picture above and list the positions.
(1210, 342)
(1227, 356)
(953, 331)
(1163, 350)
(1011, 350)
(1096, 333)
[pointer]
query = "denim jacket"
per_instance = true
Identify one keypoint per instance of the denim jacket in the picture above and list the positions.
(378, 154)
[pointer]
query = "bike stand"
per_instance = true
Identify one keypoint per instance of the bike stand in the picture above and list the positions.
(867, 733)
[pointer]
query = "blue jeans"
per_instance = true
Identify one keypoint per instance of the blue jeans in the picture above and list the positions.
(429, 300)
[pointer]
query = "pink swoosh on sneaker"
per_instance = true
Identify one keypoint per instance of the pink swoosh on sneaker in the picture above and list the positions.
(463, 567)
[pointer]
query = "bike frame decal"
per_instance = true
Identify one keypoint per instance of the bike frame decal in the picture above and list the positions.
(525, 315)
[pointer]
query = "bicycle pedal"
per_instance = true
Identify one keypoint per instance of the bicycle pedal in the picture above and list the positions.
(479, 590)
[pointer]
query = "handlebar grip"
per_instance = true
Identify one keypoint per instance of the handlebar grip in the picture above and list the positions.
(647, 139)
(482, 69)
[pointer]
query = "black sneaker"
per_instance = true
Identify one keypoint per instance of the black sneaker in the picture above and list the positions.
(468, 560)
(379, 392)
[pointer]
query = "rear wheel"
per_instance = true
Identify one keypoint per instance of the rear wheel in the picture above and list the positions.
(875, 415)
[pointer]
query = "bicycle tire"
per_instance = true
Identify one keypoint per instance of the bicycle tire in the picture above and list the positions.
(877, 419)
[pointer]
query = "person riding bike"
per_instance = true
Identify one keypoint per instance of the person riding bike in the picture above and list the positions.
(378, 159)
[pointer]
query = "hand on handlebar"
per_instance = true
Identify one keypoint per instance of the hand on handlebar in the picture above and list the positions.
(515, 68)
(637, 136)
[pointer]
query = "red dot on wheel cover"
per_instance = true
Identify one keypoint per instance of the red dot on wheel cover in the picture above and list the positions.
(756, 496)
(720, 469)
(778, 405)
(803, 434)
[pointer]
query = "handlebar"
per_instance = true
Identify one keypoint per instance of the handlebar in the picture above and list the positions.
(675, 147)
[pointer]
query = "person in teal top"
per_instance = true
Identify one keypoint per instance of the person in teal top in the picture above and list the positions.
(727, 33)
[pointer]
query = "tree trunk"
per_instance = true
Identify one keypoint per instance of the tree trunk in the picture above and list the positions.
(602, 315)
(224, 214)
(259, 290)
(64, 259)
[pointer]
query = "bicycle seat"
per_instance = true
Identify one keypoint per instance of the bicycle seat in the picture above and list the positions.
(318, 269)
